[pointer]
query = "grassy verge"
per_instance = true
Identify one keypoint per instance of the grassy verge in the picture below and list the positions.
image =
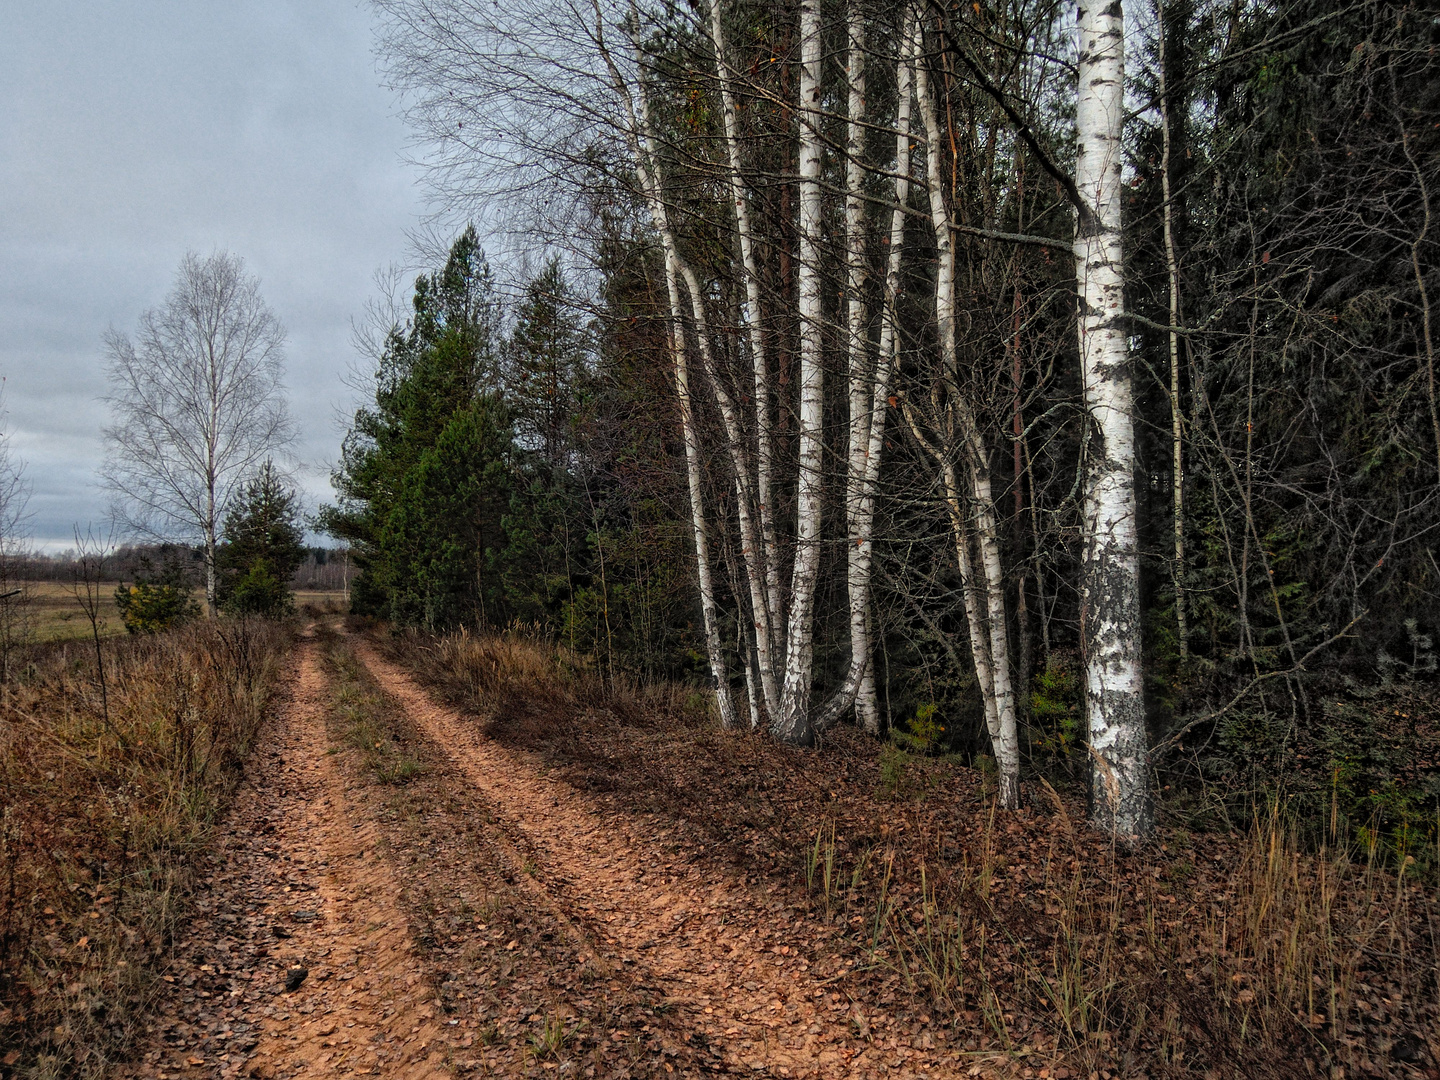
(1026, 937)
(106, 799)
(363, 716)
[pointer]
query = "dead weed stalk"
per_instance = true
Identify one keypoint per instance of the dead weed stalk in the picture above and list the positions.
(103, 821)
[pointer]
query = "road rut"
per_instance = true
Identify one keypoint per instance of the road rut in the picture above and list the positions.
(714, 946)
(298, 883)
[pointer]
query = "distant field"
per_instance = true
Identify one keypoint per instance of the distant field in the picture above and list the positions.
(56, 616)
(322, 599)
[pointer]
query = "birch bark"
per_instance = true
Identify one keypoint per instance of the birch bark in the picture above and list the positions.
(709, 611)
(1110, 593)
(767, 617)
(1177, 417)
(647, 174)
(989, 632)
(870, 376)
(859, 501)
(793, 725)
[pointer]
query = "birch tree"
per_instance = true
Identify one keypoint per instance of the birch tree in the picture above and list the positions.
(793, 724)
(764, 585)
(640, 135)
(197, 403)
(1110, 586)
(953, 439)
(869, 373)
(1172, 274)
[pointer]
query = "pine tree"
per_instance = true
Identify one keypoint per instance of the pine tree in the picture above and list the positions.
(424, 473)
(263, 545)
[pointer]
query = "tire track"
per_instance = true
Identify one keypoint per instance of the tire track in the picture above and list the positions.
(714, 947)
(299, 885)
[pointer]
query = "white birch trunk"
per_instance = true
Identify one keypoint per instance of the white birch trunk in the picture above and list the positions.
(648, 175)
(989, 633)
(212, 598)
(751, 553)
(729, 412)
(859, 501)
(1110, 593)
(869, 375)
(708, 608)
(793, 724)
(768, 618)
(1177, 425)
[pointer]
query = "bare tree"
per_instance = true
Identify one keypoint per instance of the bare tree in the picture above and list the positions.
(92, 557)
(14, 592)
(197, 402)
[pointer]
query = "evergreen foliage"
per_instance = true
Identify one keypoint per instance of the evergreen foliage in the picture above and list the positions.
(262, 548)
(159, 599)
(1302, 164)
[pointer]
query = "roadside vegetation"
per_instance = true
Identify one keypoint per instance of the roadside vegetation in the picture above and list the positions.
(107, 798)
(1026, 937)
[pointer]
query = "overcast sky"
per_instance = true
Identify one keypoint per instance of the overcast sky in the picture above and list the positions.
(131, 132)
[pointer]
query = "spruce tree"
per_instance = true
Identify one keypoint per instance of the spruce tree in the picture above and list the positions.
(263, 546)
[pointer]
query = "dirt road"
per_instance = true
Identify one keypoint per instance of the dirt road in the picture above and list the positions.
(480, 916)
(298, 887)
(720, 950)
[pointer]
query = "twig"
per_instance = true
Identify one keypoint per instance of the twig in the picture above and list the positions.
(1170, 740)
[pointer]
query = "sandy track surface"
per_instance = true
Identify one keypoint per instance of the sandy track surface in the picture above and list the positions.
(297, 883)
(457, 922)
(716, 948)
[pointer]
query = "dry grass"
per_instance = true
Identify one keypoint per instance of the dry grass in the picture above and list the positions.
(51, 612)
(103, 821)
(1207, 955)
(361, 711)
(1268, 961)
(321, 602)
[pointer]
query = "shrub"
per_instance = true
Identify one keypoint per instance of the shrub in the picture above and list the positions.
(259, 591)
(147, 608)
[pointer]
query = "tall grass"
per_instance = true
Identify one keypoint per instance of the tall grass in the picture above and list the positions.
(516, 670)
(103, 820)
(1256, 965)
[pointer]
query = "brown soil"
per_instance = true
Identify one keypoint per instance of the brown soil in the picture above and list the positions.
(737, 964)
(485, 917)
(298, 883)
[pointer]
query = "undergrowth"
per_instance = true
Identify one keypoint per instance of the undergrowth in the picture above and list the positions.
(1033, 940)
(106, 803)
(1274, 962)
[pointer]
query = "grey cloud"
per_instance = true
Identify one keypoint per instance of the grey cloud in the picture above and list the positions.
(133, 132)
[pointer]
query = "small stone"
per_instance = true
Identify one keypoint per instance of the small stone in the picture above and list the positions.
(294, 977)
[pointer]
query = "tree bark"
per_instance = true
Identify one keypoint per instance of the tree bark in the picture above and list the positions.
(794, 724)
(870, 379)
(1110, 592)
(859, 497)
(709, 611)
(768, 619)
(989, 625)
(647, 174)
(1177, 417)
